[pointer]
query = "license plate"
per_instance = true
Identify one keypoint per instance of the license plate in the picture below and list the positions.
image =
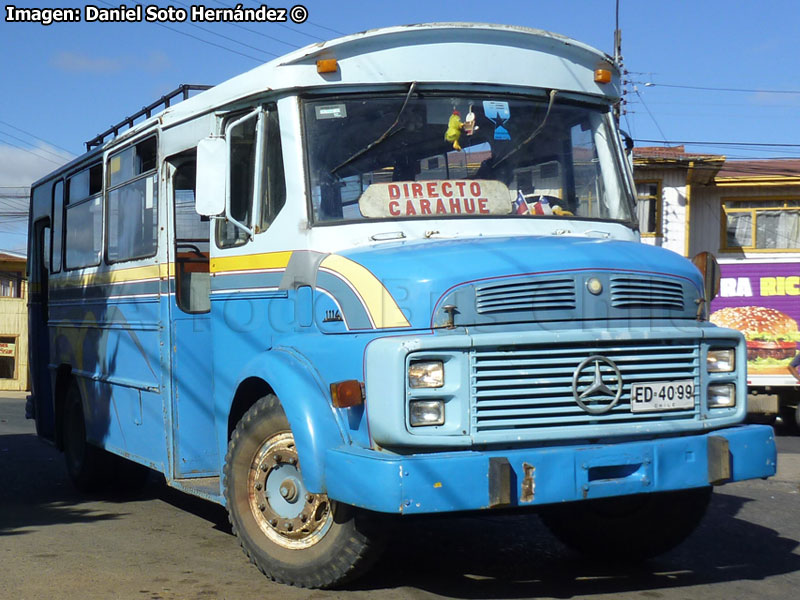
(669, 395)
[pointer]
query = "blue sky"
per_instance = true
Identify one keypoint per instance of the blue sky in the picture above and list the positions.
(64, 83)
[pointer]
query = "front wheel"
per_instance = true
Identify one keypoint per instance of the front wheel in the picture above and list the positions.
(628, 527)
(292, 535)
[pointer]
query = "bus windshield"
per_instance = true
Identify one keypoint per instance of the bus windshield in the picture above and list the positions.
(432, 155)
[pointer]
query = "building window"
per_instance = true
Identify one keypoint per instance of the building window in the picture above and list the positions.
(8, 357)
(648, 205)
(10, 285)
(764, 224)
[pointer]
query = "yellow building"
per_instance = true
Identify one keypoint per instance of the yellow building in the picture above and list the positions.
(13, 323)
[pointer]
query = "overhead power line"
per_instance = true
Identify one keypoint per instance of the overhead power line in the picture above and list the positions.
(719, 89)
(32, 152)
(230, 39)
(36, 137)
(635, 89)
(199, 39)
(254, 31)
(746, 144)
(19, 139)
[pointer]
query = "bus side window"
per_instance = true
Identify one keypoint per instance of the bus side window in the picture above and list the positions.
(46, 250)
(243, 142)
(58, 213)
(83, 219)
(274, 180)
(133, 203)
(192, 279)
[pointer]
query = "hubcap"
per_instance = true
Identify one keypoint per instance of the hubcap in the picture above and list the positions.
(284, 510)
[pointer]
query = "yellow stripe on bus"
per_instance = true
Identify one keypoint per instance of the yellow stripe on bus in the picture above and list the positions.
(116, 276)
(379, 302)
(251, 262)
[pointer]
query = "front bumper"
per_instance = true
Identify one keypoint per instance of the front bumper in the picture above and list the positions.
(470, 480)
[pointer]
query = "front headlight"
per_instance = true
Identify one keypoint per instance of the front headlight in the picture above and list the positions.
(721, 361)
(426, 374)
(426, 412)
(722, 395)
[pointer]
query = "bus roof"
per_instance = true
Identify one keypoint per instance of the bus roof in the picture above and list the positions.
(432, 52)
(438, 53)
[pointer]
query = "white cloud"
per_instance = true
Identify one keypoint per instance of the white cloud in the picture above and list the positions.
(775, 99)
(77, 62)
(20, 167)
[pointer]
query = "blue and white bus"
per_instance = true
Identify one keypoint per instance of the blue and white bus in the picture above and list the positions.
(394, 273)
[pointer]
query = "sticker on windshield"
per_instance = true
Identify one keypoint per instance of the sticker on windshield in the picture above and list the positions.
(331, 111)
(403, 199)
(498, 113)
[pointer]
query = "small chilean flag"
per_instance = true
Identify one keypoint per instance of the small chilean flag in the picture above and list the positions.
(520, 206)
(542, 207)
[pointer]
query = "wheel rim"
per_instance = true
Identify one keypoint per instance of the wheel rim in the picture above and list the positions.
(284, 509)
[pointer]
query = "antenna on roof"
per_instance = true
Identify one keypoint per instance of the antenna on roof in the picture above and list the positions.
(618, 62)
(617, 40)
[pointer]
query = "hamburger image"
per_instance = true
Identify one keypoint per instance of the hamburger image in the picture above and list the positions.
(771, 336)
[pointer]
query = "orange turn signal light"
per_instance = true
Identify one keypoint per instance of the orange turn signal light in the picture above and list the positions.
(602, 76)
(327, 65)
(347, 393)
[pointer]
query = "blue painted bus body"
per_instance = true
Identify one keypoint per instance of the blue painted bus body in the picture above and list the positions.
(350, 447)
(513, 306)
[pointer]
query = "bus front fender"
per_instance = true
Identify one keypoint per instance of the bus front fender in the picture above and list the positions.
(306, 404)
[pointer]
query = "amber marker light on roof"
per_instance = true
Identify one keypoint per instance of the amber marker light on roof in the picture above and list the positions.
(602, 76)
(347, 393)
(327, 65)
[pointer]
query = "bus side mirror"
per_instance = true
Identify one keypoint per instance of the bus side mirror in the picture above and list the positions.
(212, 176)
(708, 266)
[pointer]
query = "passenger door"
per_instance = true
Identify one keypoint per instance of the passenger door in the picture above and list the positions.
(194, 436)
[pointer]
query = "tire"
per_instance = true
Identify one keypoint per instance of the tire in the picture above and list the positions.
(631, 528)
(292, 536)
(790, 418)
(796, 428)
(89, 468)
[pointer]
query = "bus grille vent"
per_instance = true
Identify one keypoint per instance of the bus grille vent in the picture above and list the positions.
(529, 388)
(525, 295)
(636, 292)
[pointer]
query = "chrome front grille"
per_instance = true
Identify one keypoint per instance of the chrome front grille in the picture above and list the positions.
(527, 388)
(525, 295)
(639, 292)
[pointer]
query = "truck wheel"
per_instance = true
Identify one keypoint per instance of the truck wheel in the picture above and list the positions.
(293, 536)
(628, 527)
(89, 467)
(797, 419)
(790, 418)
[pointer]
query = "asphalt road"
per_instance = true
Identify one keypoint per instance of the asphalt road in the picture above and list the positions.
(163, 545)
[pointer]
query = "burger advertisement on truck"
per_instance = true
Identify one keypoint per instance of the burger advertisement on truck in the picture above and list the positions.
(771, 336)
(762, 300)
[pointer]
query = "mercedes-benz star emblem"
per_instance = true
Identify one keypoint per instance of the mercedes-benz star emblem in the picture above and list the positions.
(595, 389)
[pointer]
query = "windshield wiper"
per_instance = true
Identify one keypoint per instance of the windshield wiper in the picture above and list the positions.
(536, 131)
(386, 135)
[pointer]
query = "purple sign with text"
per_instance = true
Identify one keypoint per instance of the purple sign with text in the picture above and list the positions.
(762, 300)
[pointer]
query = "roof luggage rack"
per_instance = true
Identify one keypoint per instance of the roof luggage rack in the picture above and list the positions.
(146, 111)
